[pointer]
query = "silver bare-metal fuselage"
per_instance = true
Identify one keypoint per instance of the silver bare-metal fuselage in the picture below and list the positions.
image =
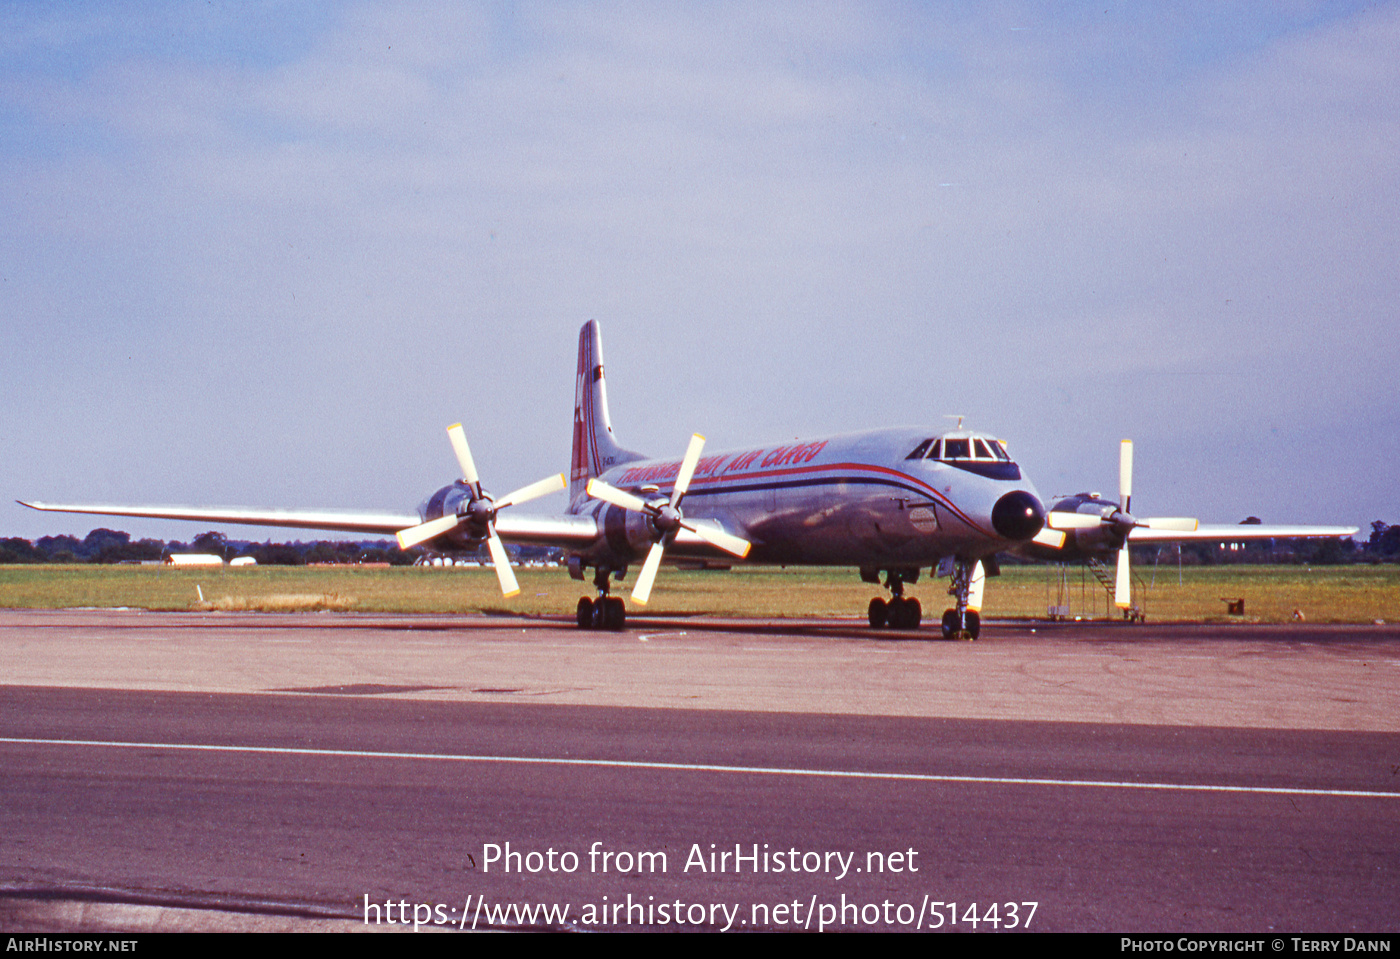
(856, 499)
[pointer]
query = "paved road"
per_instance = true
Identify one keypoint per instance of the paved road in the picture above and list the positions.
(1127, 804)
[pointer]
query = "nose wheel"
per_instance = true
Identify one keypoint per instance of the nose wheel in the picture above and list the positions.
(965, 625)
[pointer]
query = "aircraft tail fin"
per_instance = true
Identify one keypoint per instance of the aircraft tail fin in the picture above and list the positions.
(595, 449)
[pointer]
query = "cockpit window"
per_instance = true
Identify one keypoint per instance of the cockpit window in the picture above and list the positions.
(983, 455)
(973, 448)
(956, 450)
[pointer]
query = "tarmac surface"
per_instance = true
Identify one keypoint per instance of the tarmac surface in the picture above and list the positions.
(313, 771)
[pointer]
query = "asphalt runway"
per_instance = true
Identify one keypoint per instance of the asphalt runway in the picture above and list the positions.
(245, 771)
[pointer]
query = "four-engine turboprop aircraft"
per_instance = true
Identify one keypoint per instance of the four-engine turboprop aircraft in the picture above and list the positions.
(889, 502)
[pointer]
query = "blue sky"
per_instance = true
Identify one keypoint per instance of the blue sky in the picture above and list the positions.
(263, 254)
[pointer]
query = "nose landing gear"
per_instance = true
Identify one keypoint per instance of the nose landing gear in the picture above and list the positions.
(961, 622)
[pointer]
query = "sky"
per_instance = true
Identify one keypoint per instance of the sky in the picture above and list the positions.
(263, 254)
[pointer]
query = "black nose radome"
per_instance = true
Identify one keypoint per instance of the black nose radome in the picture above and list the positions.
(1018, 515)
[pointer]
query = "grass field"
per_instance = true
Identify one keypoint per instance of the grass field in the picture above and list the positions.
(1333, 594)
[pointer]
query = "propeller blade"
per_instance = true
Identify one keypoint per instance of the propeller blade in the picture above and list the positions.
(1175, 524)
(976, 587)
(642, 591)
(550, 484)
(509, 587)
(408, 538)
(1123, 588)
(1125, 475)
(611, 494)
(1049, 537)
(692, 457)
(1062, 520)
(458, 439)
(718, 537)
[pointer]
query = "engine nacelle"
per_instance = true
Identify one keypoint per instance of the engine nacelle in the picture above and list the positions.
(1093, 540)
(445, 502)
(627, 536)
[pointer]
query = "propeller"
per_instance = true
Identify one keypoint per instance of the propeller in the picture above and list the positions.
(1124, 522)
(667, 518)
(1119, 520)
(479, 514)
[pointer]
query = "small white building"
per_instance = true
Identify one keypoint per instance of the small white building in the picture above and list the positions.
(193, 559)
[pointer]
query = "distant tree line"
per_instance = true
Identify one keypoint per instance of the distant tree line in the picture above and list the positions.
(1383, 546)
(115, 546)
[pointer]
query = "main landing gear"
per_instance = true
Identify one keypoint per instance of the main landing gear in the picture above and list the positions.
(605, 612)
(900, 612)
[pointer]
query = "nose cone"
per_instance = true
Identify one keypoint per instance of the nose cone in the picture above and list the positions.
(1018, 515)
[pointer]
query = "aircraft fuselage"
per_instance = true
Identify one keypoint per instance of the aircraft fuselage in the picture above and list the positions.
(856, 499)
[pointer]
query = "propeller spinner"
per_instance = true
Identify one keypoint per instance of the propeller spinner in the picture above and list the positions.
(667, 518)
(479, 514)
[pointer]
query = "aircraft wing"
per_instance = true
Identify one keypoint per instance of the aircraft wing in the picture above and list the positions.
(564, 531)
(1238, 532)
(344, 521)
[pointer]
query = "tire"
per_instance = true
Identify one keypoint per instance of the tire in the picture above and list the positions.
(913, 613)
(879, 613)
(974, 624)
(614, 614)
(950, 623)
(585, 613)
(905, 613)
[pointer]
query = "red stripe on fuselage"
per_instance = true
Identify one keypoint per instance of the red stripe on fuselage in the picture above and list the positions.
(716, 484)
